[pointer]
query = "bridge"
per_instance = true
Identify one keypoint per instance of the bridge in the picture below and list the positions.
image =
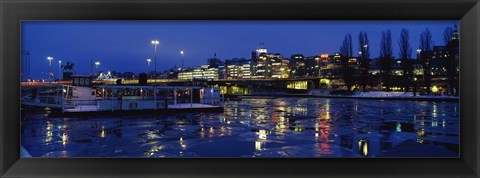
(279, 84)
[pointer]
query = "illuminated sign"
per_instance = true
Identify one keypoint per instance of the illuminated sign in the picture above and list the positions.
(262, 50)
(337, 55)
(324, 56)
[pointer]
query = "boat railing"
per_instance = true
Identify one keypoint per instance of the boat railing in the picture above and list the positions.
(113, 98)
(138, 103)
(50, 95)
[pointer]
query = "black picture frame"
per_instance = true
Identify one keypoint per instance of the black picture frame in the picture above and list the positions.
(12, 12)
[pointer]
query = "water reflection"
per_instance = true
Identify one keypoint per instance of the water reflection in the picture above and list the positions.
(64, 138)
(283, 127)
(363, 147)
(102, 132)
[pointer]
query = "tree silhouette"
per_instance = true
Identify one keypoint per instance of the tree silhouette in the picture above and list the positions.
(365, 58)
(425, 53)
(386, 57)
(406, 64)
(347, 70)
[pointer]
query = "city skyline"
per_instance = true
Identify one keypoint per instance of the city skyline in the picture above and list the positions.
(125, 45)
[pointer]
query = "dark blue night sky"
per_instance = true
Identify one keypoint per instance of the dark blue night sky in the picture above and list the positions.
(125, 45)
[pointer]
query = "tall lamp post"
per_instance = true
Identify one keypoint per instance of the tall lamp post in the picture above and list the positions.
(59, 71)
(419, 57)
(96, 66)
(51, 72)
(415, 86)
(148, 64)
(181, 53)
(155, 43)
(418, 53)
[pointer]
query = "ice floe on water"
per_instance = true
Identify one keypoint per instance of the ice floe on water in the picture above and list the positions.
(281, 127)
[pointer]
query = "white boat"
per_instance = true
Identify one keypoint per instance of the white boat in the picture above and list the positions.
(124, 98)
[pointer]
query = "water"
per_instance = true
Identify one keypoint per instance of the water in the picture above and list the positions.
(282, 127)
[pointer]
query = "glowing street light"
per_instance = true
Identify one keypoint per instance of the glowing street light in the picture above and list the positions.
(155, 43)
(363, 51)
(181, 53)
(96, 66)
(59, 70)
(148, 63)
(415, 86)
(49, 58)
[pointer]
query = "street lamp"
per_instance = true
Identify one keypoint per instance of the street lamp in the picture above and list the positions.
(50, 61)
(148, 63)
(181, 53)
(364, 51)
(59, 70)
(155, 43)
(415, 86)
(418, 53)
(96, 66)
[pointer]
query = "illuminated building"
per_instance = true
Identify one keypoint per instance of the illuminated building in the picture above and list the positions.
(277, 67)
(187, 74)
(238, 69)
(202, 72)
(260, 65)
(268, 65)
(298, 65)
(232, 72)
(261, 51)
(330, 65)
(245, 71)
(222, 72)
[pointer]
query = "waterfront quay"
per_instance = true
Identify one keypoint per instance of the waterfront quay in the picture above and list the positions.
(328, 86)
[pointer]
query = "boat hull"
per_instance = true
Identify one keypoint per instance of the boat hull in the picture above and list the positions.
(135, 112)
